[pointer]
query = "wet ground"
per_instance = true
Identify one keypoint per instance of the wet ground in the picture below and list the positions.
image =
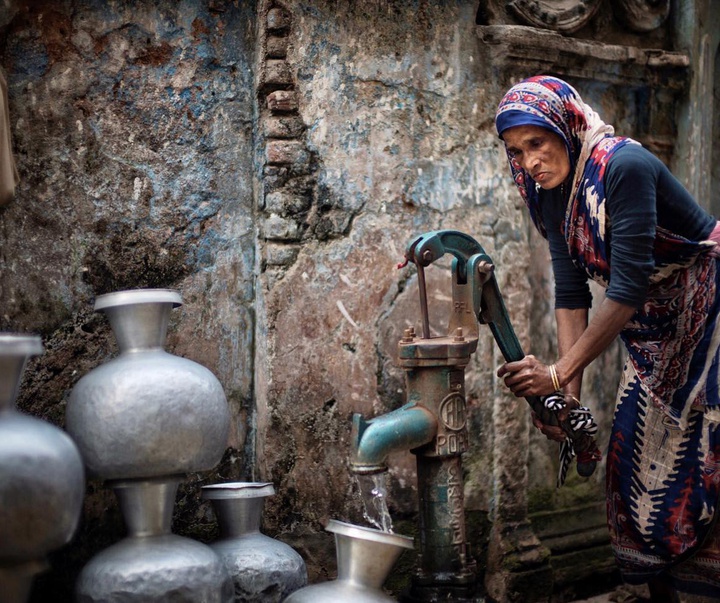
(619, 595)
(636, 594)
(622, 594)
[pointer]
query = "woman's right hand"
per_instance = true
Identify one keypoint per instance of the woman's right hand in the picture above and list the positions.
(551, 432)
(555, 432)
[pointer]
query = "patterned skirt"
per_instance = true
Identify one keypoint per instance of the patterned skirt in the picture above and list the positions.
(662, 492)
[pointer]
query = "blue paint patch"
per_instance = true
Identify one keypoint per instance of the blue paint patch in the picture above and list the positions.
(201, 206)
(28, 58)
(207, 248)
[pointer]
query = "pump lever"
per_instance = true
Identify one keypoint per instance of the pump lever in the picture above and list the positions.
(491, 311)
(475, 267)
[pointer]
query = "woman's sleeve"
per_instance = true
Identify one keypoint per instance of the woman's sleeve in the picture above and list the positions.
(631, 198)
(571, 286)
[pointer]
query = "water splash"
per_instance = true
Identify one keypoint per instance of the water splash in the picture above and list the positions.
(373, 490)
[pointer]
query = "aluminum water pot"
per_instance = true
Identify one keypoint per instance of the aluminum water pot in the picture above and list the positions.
(147, 413)
(42, 480)
(365, 557)
(263, 569)
(151, 564)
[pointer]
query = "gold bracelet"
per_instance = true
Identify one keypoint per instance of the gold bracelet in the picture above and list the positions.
(574, 399)
(554, 377)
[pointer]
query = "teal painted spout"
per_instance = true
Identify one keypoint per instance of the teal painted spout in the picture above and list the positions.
(405, 428)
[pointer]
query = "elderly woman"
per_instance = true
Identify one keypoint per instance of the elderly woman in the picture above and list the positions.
(612, 212)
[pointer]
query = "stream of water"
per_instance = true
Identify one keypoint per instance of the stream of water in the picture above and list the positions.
(373, 490)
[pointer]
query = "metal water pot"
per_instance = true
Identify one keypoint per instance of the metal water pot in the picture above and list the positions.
(152, 564)
(365, 557)
(42, 480)
(147, 413)
(263, 569)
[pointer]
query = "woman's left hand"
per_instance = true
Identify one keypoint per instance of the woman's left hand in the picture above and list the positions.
(527, 377)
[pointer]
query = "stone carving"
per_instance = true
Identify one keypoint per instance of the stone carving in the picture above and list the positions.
(569, 16)
(641, 15)
(566, 16)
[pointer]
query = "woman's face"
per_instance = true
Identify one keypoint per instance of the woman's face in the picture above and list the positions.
(540, 152)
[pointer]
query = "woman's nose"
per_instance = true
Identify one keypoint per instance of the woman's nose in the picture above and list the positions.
(531, 161)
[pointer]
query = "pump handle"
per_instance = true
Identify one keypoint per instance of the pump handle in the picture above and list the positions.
(473, 264)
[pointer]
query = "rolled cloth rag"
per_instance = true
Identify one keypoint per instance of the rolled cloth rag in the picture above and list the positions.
(8, 172)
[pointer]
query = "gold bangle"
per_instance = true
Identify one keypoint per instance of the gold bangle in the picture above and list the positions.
(554, 377)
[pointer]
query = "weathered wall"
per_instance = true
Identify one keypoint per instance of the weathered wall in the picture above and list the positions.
(271, 161)
(397, 115)
(132, 124)
(697, 155)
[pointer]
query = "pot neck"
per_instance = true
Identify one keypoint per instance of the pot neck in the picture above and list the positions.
(14, 353)
(139, 327)
(360, 562)
(147, 505)
(16, 580)
(366, 556)
(238, 516)
(140, 317)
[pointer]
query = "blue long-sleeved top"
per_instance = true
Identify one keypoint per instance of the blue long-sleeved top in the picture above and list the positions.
(640, 193)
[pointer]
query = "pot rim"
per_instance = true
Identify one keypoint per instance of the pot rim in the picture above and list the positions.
(20, 344)
(238, 490)
(365, 533)
(138, 296)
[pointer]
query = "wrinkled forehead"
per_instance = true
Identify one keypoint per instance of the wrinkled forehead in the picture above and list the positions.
(517, 137)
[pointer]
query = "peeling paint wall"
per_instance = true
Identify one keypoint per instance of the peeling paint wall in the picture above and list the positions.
(132, 125)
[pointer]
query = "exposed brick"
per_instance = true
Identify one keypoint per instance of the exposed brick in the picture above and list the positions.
(274, 178)
(275, 172)
(287, 203)
(281, 229)
(279, 126)
(282, 100)
(276, 47)
(276, 73)
(301, 185)
(272, 275)
(278, 20)
(280, 254)
(278, 152)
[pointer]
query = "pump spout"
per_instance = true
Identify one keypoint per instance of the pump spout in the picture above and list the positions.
(405, 428)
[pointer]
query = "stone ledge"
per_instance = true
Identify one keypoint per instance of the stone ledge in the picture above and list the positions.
(527, 50)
